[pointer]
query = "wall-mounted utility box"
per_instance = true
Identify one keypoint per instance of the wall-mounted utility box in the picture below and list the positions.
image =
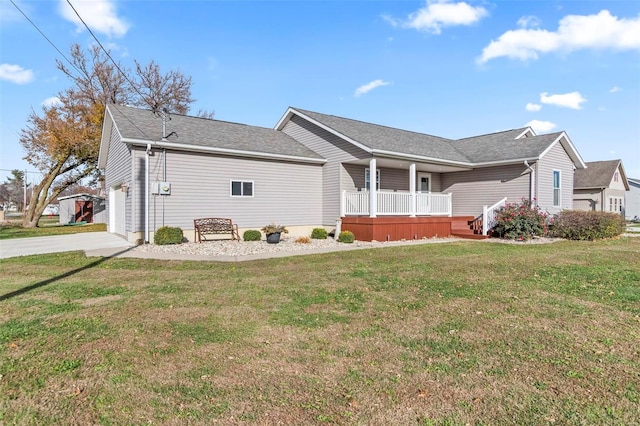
(161, 188)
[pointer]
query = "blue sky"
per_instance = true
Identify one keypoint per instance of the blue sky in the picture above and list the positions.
(448, 68)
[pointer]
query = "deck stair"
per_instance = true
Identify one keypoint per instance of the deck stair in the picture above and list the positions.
(468, 227)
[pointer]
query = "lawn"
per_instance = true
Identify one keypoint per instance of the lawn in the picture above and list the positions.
(437, 334)
(48, 225)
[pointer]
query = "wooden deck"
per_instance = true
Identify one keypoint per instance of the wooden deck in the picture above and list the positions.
(396, 228)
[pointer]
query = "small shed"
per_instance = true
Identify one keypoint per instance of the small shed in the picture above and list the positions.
(82, 208)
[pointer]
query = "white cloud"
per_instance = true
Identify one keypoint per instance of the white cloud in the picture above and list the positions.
(571, 100)
(437, 14)
(575, 32)
(529, 22)
(51, 102)
(15, 74)
(614, 89)
(533, 107)
(369, 87)
(541, 126)
(100, 16)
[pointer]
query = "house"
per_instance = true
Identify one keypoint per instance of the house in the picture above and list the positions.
(600, 187)
(632, 200)
(315, 170)
(77, 208)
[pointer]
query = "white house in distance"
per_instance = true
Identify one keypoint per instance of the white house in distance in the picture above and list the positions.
(632, 200)
(319, 170)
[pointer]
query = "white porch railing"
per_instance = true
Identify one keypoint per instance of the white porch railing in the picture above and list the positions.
(396, 203)
(489, 215)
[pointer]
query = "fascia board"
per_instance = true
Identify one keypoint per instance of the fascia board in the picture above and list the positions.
(292, 111)
(506, 162)
(569, 147)
(224, 151)
(402, 156)
(527, 130)
(105, 139)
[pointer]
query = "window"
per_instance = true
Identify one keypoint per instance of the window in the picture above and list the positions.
(241, 188)
(367, 179)
(615, 177)
(556, 188)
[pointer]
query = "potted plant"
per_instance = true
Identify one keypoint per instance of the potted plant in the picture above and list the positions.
(273, 231)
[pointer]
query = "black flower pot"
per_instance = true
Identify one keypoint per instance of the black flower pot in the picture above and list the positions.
(273, 238)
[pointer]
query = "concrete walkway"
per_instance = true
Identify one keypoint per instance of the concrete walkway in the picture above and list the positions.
(87, 241)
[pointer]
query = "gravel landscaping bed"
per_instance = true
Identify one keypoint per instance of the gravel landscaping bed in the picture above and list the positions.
(243, 248)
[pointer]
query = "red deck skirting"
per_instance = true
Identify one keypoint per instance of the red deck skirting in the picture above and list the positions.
(395, 228)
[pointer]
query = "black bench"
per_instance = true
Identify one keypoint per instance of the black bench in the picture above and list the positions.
(214, 225)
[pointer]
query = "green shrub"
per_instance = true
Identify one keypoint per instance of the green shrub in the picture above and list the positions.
(587, 225)
(520, 221)
(346, 237)
(319, 234)
(168, 235)
(252, 235)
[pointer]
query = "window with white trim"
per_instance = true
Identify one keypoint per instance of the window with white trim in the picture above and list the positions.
(616, 204)
(367, 179)
(241, 188)
(556, 188)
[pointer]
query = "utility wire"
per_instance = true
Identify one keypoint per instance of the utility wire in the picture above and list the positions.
(133, 86)
(108, 55)
(154, 109)
(45, 36)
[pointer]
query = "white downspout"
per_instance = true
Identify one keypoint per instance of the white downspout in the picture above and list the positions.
(532, 180)
(146, 194)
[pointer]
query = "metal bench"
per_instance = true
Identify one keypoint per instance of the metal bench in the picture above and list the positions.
(214, 226)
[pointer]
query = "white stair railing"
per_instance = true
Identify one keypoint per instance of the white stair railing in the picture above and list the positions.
(489, 215)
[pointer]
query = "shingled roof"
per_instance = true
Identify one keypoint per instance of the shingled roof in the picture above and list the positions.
(377, 137)
(500, 147)
(137, 125)
(598, 174)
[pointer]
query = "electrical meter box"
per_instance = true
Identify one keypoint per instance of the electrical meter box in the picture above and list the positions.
(161, 188)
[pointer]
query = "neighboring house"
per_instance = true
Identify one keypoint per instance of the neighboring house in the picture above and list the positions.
(321, 170)
(632, 199)
(600, 187)
(82, 208)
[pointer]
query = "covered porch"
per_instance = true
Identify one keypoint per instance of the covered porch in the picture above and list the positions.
(404, 207)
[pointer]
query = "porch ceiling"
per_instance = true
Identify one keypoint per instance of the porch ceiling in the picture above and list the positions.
(392, 163)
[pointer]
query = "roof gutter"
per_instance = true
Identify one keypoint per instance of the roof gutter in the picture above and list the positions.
(224, 151)
(397, 155)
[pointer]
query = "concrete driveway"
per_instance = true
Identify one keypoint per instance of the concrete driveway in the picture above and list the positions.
(59, 243)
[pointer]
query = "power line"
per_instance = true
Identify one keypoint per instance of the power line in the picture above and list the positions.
(45, 36)
(108, 55)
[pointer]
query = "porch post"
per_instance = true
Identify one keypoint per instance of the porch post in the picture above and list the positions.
(412, 188)
(373, 188)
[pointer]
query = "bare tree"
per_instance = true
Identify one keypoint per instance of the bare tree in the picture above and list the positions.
(202, 113)
(171, 91)
(63, 141)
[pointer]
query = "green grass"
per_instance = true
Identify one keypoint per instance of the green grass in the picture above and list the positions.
(46, 226)
(436, 334)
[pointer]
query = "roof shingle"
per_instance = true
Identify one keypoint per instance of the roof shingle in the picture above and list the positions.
(195, 132)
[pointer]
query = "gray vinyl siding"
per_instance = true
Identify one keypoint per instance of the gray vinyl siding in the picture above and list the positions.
(473, 189)
(118, 171)
(336, 151)
(612, 192)
(555, 159)
(284, 192)
(632, 201)
(390, 179)
(588, 199)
